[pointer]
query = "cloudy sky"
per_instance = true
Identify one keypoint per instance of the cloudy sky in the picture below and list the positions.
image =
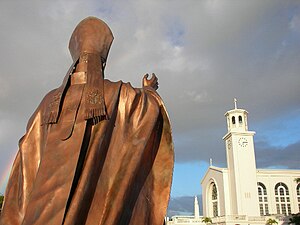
(204, 52)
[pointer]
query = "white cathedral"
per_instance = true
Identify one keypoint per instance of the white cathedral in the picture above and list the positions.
(241, 194)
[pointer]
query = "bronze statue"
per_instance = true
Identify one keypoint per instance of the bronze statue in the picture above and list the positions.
(95, 151)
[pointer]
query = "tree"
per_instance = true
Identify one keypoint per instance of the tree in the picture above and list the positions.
(271, 221)
(295, 219)
(1, 201)
(206, 220)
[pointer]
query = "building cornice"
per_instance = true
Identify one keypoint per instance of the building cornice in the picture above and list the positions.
(245, 133)
(278, 171)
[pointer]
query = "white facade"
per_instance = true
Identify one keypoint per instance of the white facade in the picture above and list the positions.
(241, 194)
(241, 190)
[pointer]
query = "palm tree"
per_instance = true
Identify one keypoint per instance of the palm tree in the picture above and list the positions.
(271, 221)
(206, 220)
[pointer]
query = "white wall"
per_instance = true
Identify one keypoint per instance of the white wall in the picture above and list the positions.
(271, 177)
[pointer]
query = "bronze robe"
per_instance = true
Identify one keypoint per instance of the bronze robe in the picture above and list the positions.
(116, 172)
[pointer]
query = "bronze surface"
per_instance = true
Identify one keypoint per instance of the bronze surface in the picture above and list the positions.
(106, 169)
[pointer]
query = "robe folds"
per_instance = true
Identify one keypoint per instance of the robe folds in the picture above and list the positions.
(116, 172)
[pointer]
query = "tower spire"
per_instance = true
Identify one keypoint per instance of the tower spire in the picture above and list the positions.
(196, 208)
(236, 118)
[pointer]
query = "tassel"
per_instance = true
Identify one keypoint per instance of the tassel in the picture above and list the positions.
(50, 118)
(93, 113)
(97, 115)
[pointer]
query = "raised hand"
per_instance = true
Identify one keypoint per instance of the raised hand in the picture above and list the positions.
(153, 82)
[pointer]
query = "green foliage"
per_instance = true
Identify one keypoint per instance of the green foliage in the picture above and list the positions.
(295, 219)
(271, 221)
(1, 200)
(206, 220)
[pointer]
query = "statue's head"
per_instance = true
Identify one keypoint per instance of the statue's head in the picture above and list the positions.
(91, 35)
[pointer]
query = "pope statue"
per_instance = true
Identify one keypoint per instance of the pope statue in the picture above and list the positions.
(95, 151)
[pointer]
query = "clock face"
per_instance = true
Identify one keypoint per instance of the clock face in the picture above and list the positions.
(243, 142)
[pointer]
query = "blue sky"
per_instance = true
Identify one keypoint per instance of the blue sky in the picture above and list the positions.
(205, 53)
(187, 177)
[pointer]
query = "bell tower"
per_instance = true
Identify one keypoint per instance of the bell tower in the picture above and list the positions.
(241, 163)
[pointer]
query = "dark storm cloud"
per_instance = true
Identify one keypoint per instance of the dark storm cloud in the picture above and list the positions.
(287, 157)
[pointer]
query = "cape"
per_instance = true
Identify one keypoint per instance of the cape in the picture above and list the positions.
(115, 172)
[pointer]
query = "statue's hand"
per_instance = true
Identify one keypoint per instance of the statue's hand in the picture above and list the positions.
(153, 82)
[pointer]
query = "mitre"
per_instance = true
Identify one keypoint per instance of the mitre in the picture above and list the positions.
(91, 35)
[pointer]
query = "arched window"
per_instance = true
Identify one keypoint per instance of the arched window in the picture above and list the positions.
(213, 209)
(233, 120)
(240, 119)
(263, 199)
(282, 197)
(298, 195)
(214, 197)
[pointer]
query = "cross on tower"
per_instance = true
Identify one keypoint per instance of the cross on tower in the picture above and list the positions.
(235, 103)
